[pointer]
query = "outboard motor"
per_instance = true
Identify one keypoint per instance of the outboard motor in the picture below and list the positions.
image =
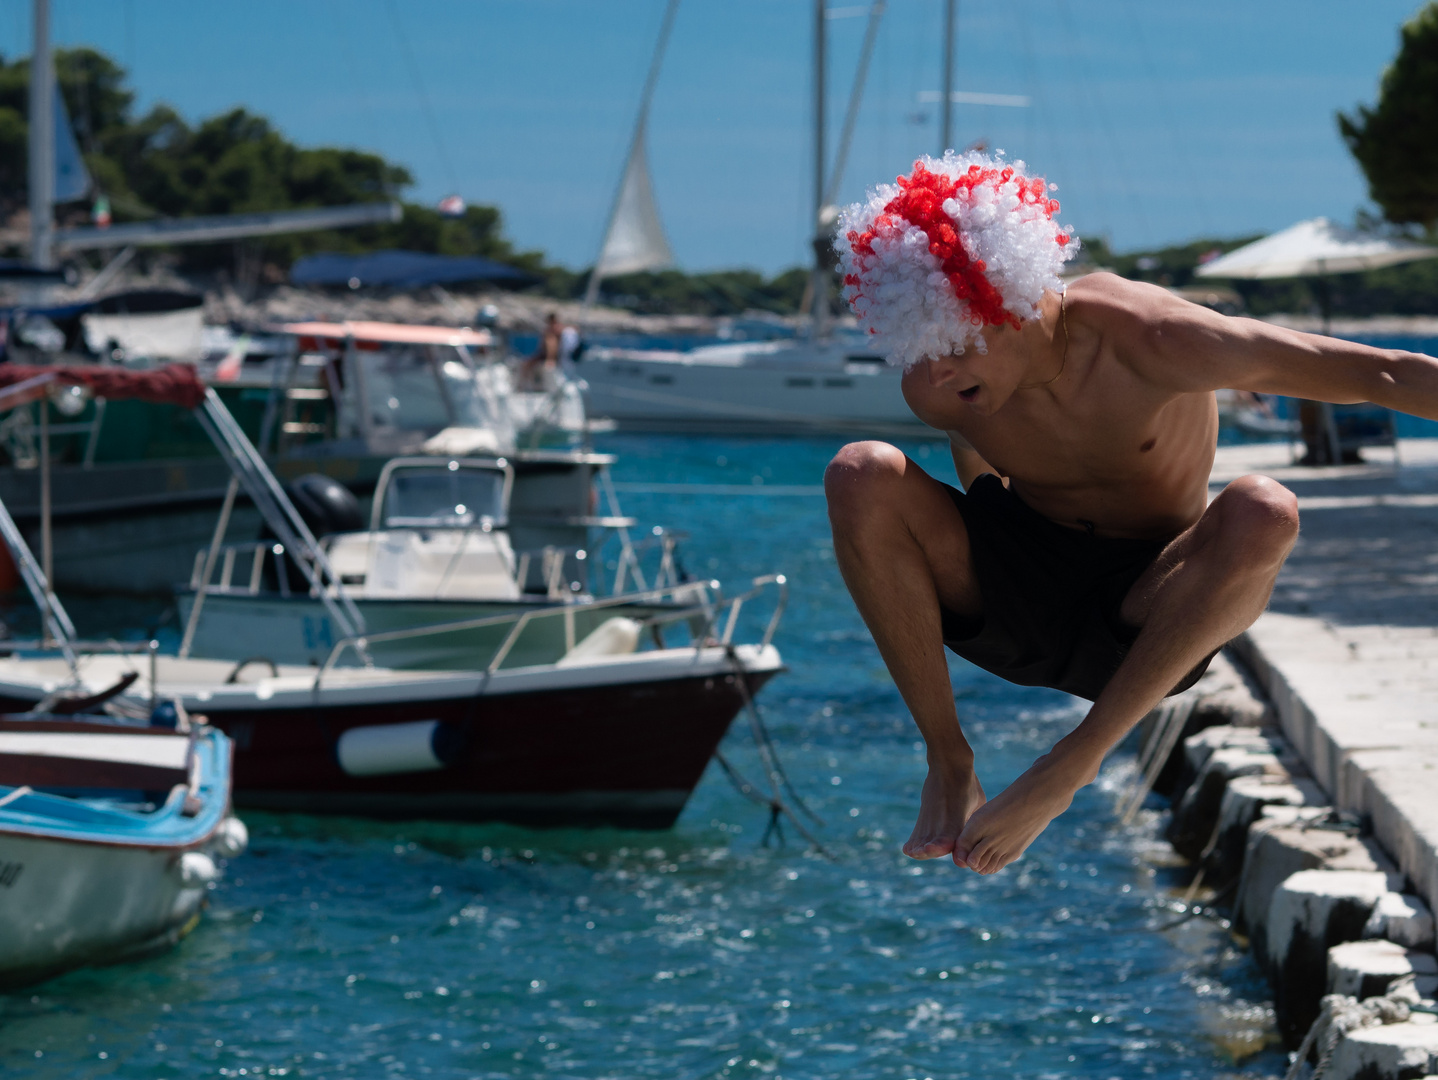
(327, 507)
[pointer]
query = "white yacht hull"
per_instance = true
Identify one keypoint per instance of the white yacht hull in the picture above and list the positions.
(773, 388)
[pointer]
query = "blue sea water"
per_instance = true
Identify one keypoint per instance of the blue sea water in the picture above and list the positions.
(344, 948)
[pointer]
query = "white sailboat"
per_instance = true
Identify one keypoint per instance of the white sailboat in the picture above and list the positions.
(828, 381)
(634, 237)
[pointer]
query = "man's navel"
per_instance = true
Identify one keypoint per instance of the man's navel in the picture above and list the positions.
(1146, 447)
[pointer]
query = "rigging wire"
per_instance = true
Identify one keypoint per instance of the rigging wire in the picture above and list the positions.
(425, 107)
(1178, 147)
(856, 98)
(1094, 106)
(1055, 144)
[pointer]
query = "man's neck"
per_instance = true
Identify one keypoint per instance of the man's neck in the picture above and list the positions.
(1041, 344)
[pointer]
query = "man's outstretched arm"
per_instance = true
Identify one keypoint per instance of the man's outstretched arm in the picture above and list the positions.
(1187, 348)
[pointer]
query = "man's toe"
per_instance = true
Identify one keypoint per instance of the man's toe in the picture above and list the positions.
(930, 848)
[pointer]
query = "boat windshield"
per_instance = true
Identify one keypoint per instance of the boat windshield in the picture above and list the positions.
(418, 388)
(403, 391)
(444, 497)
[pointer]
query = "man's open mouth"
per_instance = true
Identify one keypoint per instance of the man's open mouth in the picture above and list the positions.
(969, 394)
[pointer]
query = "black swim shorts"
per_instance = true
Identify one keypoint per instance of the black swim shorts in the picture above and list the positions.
(1051, 595)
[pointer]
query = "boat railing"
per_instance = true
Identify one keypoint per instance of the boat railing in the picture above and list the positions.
(628, 571)
(253, 552)
(710, 611)
(756, 586)
(631, 553)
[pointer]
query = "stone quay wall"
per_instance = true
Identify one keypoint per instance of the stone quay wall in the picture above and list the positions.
(1324, 907)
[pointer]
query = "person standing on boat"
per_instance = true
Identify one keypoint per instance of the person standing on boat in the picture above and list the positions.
(537, 371)
(1084, 553)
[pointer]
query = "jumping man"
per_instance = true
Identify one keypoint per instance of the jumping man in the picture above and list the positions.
(1083, 553)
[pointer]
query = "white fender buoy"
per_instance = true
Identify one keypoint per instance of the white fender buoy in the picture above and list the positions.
(197, 870)
(613, 637)
(382, 749)
(231, 838)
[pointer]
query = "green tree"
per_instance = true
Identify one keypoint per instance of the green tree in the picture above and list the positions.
(1394, 141)
(159, 165)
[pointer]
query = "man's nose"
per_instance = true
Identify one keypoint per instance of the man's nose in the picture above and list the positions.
(943, 371)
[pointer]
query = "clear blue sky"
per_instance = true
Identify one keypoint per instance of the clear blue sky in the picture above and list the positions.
(1159, 121)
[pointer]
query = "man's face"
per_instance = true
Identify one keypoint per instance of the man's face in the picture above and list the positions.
(944, 390)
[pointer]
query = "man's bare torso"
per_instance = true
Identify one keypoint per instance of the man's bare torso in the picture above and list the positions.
(1100, 446)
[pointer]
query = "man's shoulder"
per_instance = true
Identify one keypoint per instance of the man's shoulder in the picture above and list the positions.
(1120, 314)
(1106, 293)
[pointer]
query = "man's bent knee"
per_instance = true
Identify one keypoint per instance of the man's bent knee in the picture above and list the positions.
(1260, 515)
(860, 472)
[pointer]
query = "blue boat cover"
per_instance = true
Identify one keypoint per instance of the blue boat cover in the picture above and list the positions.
(100, 821)
(402, 270)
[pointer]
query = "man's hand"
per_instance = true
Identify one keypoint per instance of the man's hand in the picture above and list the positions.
(951, 795)
(999, 831)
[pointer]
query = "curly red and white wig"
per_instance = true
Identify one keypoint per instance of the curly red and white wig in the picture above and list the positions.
(963, 242)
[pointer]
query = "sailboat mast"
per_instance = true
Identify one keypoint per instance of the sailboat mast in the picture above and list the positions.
(818, 280)
(946, 124)
(42, 142)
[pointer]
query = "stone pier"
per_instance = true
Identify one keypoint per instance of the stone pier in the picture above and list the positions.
(1315, 804)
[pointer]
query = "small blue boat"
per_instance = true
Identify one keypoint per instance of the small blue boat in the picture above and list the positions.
(110, 833)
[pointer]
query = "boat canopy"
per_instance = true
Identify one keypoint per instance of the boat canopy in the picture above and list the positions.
(173, 384)
(316, 335)
(402, 270)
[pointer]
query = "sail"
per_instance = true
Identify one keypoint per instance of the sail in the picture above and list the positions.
(635, 240)
(72, 179)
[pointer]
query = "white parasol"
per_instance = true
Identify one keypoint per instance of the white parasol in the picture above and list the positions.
(1312, 249)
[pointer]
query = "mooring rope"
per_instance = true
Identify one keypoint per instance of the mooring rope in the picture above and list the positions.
(774, 771)
(1341, 1014)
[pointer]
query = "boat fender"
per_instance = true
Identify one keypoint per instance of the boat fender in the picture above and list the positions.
(197, 870)
(383, 749)
(230, 839)
(613, 637)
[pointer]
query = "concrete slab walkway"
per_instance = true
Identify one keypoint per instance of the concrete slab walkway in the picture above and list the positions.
(1348, 650)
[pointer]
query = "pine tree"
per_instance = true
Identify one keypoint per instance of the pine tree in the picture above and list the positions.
(1394, 142)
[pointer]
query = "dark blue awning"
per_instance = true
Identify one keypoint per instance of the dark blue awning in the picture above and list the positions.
(402, 270)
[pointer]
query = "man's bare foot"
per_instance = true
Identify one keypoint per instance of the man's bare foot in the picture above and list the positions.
(1000, 831)
(949, 798)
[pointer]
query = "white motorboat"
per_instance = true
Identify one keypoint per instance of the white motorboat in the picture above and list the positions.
(437, 550)
(617, 731)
